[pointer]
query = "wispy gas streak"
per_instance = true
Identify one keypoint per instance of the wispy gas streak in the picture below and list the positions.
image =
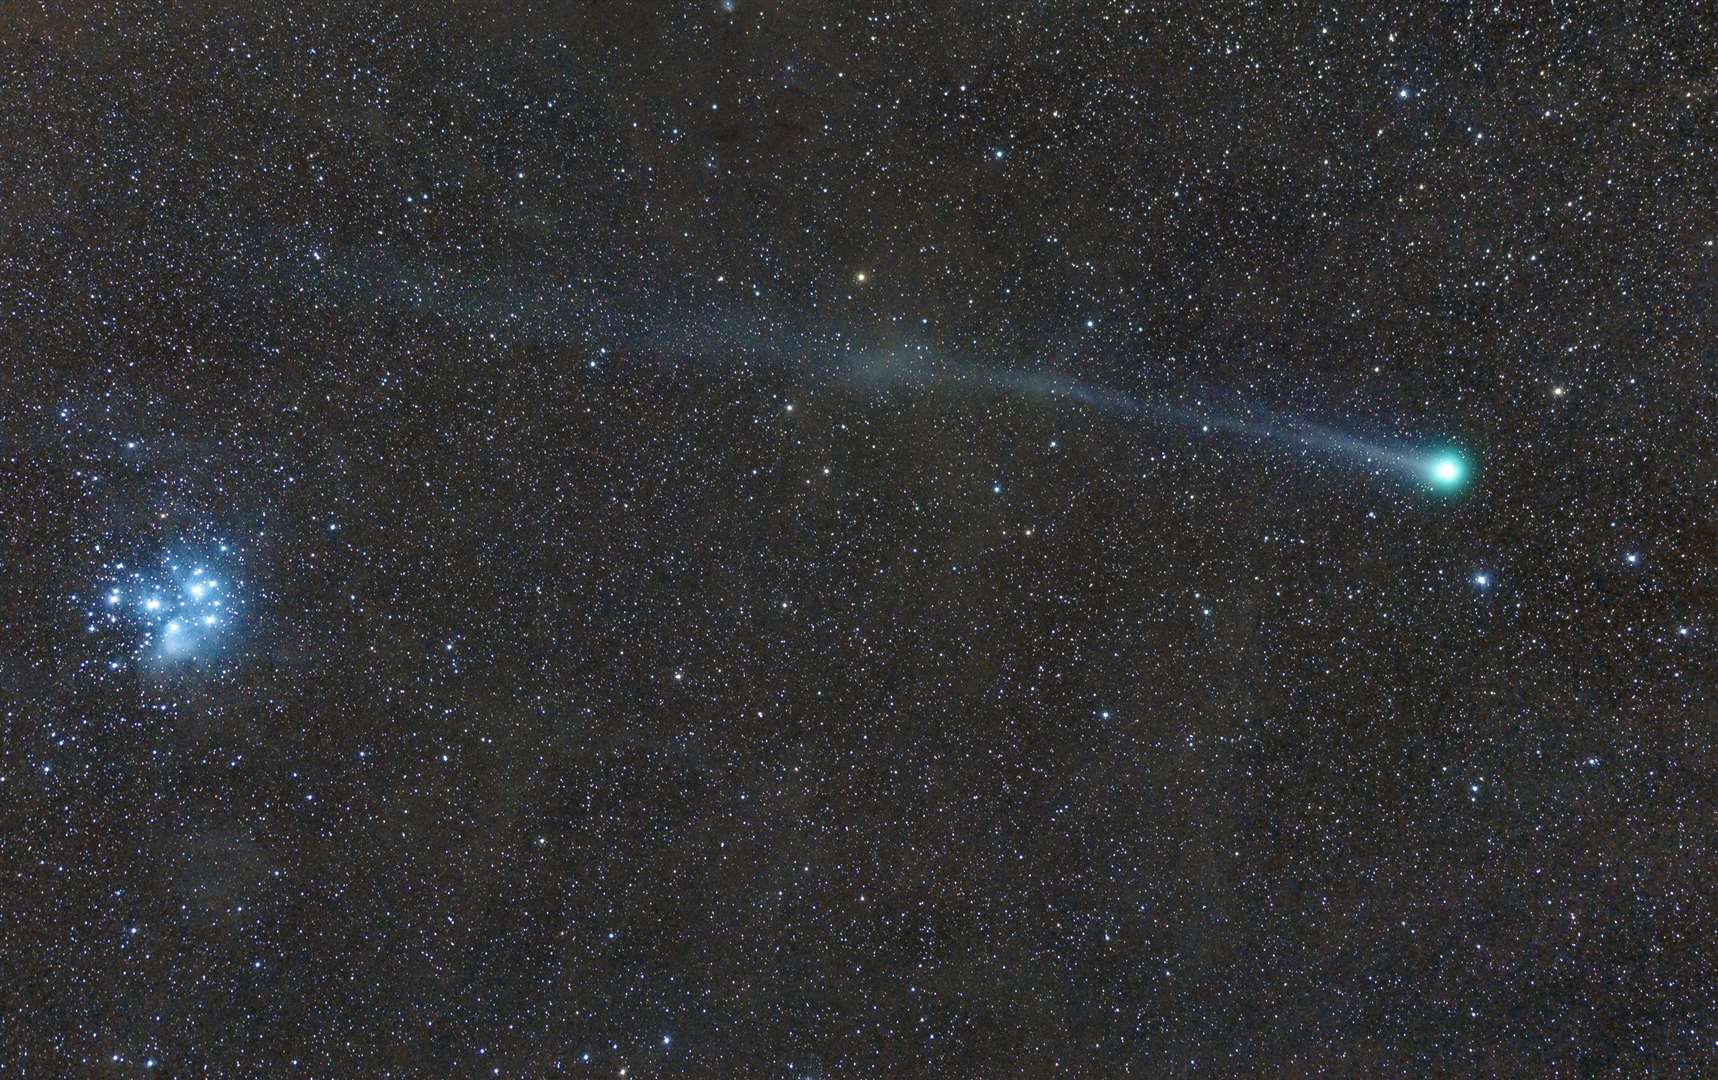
(892, 370)
(524, 306)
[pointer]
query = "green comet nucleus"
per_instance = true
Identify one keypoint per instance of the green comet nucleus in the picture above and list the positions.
(1446, 471)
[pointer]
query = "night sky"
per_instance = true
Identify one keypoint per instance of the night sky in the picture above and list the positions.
(800, 539)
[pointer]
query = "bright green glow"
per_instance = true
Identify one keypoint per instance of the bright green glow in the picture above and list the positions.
(1447, 471)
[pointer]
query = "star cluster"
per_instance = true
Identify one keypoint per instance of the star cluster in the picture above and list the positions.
(176, 611)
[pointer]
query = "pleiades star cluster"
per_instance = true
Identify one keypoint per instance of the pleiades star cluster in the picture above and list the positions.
(172, 612)
(878, 540)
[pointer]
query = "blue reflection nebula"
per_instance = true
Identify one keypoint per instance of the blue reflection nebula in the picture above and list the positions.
(178, 610)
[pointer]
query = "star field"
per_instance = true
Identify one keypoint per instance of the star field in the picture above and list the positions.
(734, 539)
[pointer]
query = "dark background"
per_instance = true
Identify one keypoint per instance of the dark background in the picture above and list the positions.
(923, 730)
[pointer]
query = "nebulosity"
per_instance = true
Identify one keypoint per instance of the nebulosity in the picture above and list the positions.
(177, 609)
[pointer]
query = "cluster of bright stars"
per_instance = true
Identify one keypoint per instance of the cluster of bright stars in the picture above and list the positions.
(177, 612)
